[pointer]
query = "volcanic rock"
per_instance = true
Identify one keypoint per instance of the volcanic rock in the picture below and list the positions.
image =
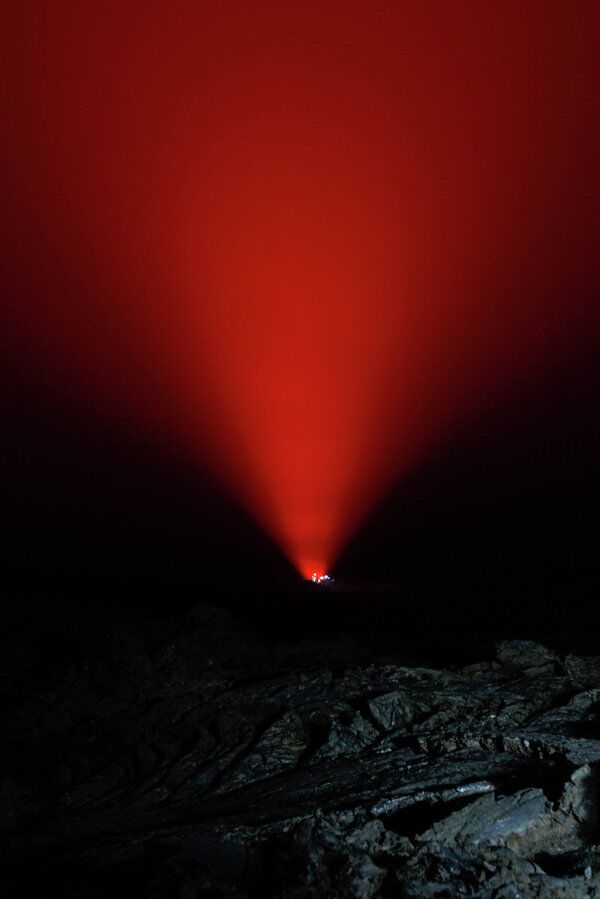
(189, 758)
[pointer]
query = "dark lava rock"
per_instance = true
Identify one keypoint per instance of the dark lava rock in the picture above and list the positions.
(391, 710)
(524, 654)
(188, 759)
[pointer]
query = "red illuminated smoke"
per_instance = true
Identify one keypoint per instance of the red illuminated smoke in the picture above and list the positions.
(308, 238)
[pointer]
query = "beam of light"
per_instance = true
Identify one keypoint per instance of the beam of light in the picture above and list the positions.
(306, 239)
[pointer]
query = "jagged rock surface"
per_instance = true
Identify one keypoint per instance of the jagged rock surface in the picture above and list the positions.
(190, 759)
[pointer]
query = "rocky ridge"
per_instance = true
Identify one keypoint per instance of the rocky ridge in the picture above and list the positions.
(191, 759)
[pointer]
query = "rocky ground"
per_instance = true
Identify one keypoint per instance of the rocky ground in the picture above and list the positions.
(189, 758)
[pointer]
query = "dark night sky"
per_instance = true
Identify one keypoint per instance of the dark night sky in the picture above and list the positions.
(223, 228)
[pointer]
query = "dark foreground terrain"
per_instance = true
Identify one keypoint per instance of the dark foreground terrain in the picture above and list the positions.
(192, 757)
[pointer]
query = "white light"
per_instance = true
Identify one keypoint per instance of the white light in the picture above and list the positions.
(323, 579)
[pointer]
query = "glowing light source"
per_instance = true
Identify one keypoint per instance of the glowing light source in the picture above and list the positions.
(323, 580)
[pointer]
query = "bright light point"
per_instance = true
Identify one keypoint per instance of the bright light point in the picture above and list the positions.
(322, 580)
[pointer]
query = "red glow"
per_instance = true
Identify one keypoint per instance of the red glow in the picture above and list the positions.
(307, 238)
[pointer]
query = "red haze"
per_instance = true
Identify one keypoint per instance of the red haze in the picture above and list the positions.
(307, 238)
